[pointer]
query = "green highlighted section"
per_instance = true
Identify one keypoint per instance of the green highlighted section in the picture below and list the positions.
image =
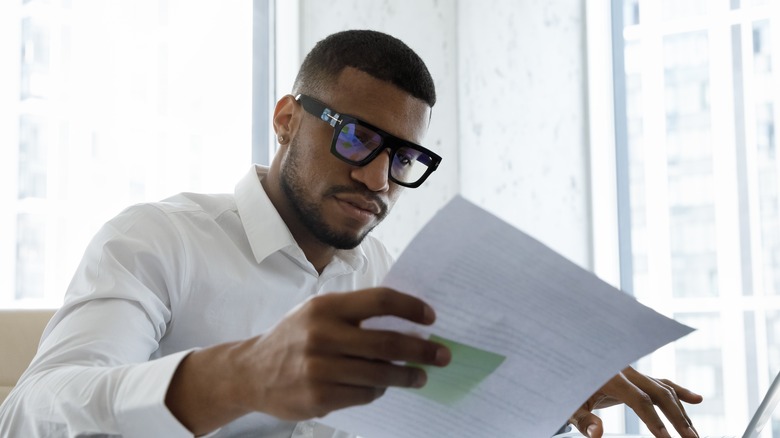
(469, 366)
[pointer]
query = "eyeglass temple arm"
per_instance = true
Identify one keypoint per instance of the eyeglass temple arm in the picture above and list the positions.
(330, 119)
(317, 108)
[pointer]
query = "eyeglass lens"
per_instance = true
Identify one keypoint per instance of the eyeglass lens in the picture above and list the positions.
(356, 142)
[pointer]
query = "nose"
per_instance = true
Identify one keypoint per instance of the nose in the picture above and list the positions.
(374, 174)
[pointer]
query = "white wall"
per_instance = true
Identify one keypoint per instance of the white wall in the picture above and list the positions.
(509, 121)
(523, 139)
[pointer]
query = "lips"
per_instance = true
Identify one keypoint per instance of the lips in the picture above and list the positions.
(362, 203)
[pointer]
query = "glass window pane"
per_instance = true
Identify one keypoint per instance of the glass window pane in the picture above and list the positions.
(700, 365)
(689, 164)
(766, 162)
(32, 157)
(35, 52)
(630, 12)
(678, 9)
(30, 256)
(773, 341)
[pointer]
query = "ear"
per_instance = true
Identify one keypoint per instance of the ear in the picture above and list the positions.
(284, 122)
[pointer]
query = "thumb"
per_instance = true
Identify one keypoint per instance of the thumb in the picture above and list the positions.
(587, 423)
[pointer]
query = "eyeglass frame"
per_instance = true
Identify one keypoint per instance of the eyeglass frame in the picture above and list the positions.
(389, 141)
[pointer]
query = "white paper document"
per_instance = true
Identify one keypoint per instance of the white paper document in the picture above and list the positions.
(533, 334)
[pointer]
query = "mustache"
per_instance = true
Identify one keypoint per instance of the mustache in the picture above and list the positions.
(367, 194)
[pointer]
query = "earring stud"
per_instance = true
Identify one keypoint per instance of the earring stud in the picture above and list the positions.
(281, 139)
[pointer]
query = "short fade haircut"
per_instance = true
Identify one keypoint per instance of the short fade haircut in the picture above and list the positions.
(380, 55)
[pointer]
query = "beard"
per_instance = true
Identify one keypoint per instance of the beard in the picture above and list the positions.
(310, 212)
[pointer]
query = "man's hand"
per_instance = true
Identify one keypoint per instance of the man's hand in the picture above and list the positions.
(317, 359)
(641, 393)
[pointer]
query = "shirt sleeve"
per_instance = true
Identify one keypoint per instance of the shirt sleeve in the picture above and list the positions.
(92, 374)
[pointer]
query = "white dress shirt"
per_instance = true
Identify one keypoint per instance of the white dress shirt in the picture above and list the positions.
(157, 281)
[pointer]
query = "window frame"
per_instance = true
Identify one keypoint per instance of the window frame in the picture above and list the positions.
(604, 134)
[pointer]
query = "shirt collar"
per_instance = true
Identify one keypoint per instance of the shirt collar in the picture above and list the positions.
(265, 229)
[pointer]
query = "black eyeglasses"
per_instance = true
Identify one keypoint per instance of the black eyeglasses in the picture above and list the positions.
(357, 142)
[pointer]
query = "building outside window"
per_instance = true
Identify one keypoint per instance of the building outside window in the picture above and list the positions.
(702, 87)
(112, 103)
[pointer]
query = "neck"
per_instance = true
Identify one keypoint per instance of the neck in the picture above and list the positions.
(316, 252)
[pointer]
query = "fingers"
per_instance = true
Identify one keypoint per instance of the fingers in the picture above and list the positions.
(643, 393)
(587, 423)
(392, 346)
(626, 391)
(342, 334)
(324, 399)
(318, 400)
(363, 304)
(357, 372)
(683, 394)
(670, 411)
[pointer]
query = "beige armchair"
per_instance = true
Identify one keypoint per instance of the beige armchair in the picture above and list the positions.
(20, 332)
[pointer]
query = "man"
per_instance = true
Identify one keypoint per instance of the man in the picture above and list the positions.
(208, 313)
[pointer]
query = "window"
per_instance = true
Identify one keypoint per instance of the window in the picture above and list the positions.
(113, 103)
(700, 86)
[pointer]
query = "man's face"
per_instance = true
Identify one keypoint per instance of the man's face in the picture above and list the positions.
(337, 203)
